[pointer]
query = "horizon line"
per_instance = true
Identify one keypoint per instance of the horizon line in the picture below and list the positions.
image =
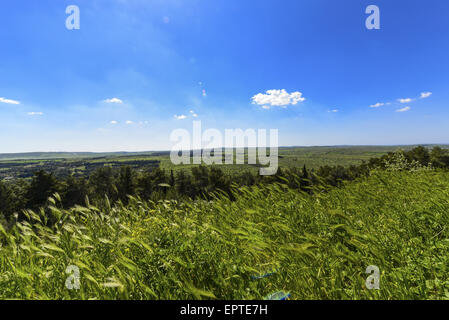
(245, 147)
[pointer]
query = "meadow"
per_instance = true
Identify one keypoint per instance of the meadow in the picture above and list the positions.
(315, 246)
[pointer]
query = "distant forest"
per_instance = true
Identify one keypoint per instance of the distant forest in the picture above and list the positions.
(107, 185)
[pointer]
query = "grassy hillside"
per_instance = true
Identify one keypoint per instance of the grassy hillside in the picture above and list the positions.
(319, 246)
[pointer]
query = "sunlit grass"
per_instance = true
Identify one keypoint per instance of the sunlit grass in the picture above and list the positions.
(319, 246)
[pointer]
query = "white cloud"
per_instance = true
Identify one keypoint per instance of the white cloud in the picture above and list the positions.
(113, 100)
(9, 101)
(181, 117)
(266, 107)
(425, 95)
(334, 110)
(129, 122)
(204, 93)
(35, 113)
(377, 105)
(278, 98)
(193, 113)
(113, 122)
(403, 109)
(406, 100)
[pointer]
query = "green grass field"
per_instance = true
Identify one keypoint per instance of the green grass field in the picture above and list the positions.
(319, 246)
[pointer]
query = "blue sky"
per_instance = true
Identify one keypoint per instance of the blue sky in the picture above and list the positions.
(118, 82)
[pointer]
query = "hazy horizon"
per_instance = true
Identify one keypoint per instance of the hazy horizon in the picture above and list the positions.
(292, 146)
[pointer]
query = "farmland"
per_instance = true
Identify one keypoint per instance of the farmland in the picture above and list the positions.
(83, 164)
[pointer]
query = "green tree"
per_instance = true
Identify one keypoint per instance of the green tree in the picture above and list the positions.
(200, 180)
(151, 184)
(183, 183)
(43, 185)
(172, 179)
(102, 183)
(419, 154)
(305, 179)
(74, 192)
(439, 158)
(6, 201)
(125, 183)
(218, 181)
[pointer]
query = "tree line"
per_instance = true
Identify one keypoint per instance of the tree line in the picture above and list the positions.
(112, 184)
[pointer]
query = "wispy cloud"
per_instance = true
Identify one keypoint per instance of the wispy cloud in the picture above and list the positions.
(277, 98)
(403, 109)
(425, 95)
(377, 105)
(129, 122)
(193, 113)
(9, 101)
(113, 122)
(333, 110)
(113, 100)
(405, 100)
(35, 113)
(181, 117)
